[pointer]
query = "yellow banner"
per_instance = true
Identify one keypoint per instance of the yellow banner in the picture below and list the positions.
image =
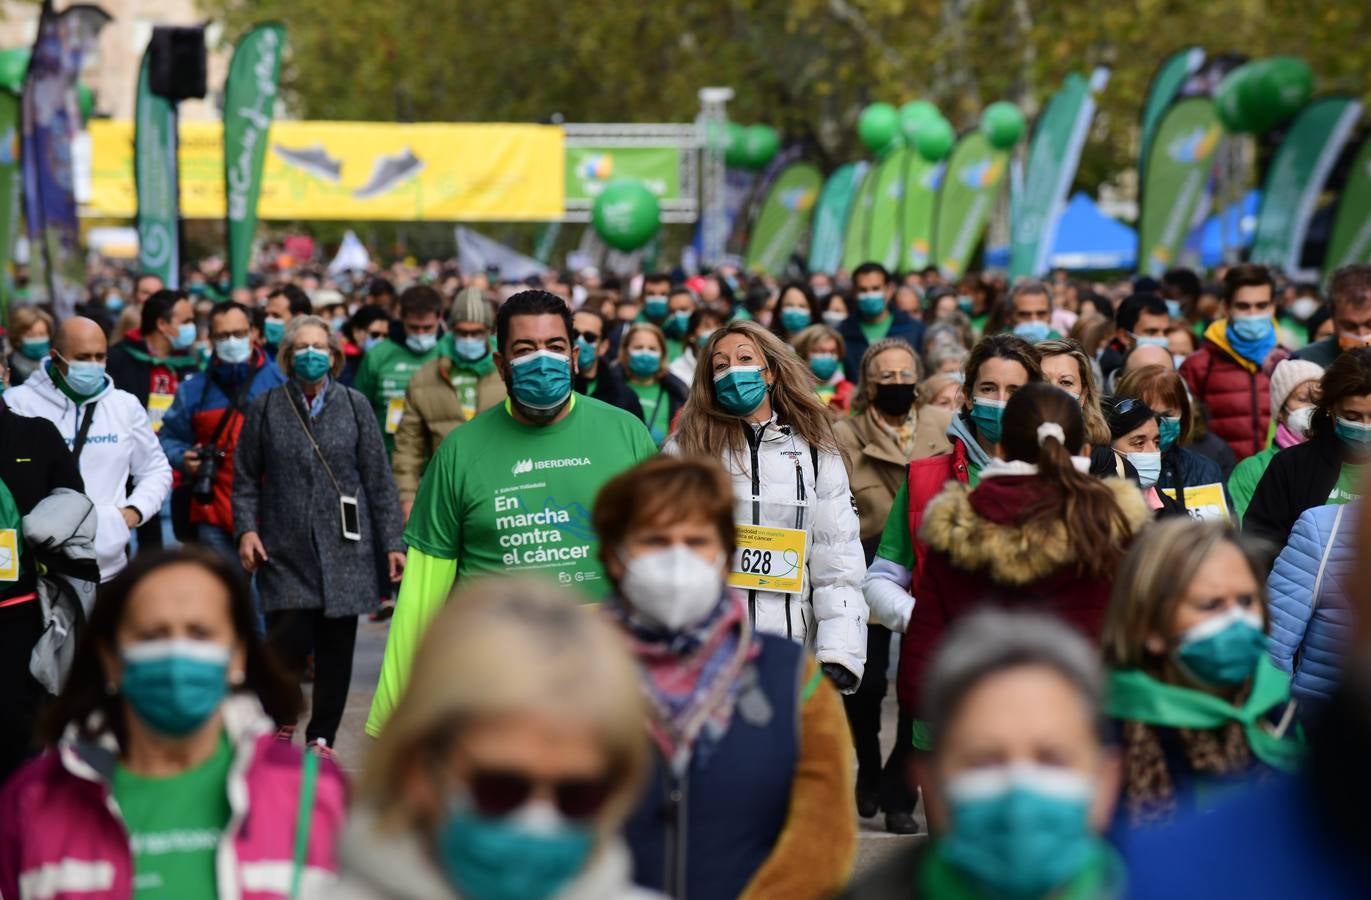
(356, 170)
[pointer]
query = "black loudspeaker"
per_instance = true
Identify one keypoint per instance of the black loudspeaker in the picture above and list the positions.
(176, 65)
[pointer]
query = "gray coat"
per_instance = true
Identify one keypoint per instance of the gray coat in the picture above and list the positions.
(281, 491)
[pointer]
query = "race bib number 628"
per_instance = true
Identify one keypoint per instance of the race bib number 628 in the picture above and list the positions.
(769, 559)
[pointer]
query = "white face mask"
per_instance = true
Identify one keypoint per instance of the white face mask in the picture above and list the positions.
(672, 588)
(1298, 421)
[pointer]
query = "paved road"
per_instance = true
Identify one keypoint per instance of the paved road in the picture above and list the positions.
(873, 845)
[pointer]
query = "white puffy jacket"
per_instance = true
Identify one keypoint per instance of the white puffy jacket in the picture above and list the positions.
(119, 445)
(830, 614)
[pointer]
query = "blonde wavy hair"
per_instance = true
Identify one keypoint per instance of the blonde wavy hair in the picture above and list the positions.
(705, 429)
(1096, 428)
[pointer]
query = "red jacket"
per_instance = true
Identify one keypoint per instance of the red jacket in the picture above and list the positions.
(927, 477)
(981, 550)
(1236, 392)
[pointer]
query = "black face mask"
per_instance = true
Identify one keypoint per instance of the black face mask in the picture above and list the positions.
(894, 399)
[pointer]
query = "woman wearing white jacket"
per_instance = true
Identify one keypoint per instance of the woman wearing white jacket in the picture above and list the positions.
(799, 564)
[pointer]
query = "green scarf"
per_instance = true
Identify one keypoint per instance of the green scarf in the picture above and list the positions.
(60, 380)
(447, 345)
(1136, 696)
(1102, 877)
(180, 361)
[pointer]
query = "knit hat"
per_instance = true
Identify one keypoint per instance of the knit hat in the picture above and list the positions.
(1288, 375)
(1126, 414)
(471, 306)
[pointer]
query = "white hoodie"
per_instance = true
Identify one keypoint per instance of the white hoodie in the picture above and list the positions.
(120, 444)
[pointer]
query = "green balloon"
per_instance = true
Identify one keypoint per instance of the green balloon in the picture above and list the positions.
(85, 100)
(761, 143)
(913, 114)
(735, 156)
(1228, 100)
(1002, 124)
(878, 125)
(626, 214)
(14, 65)
(935, 139)
(1279, 88)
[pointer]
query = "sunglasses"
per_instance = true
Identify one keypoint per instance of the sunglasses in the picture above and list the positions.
(589, 337)
(499, 793)
(1126, 406)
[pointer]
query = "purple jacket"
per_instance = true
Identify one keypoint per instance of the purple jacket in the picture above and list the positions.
(62, 836)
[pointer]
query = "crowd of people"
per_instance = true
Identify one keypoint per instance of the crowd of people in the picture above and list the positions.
(651, 551)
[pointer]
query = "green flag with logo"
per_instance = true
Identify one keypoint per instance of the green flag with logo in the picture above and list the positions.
(975, 172)
(921, 182)
(784, 218)
(249, 103)
(883, 225)
(1166, 84)
(1296, 177)
(1053, 155)
(1175, 180)
(830, 217)
(1350, 241)
(155, 178)
(858, 219)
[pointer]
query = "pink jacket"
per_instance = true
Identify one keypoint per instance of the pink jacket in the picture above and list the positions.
(62, 836)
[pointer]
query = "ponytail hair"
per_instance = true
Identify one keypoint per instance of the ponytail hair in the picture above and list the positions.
(1044, 425)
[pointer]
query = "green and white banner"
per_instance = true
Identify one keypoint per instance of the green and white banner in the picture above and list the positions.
(1175, 178)
(9, 193)
(1165, 86)
(858, 219)
(1350, 241)
(975, 172)
(589, 169)
(784, 218)
(921, 181)
(1296, 177)
(830, 217)
(249, 103)
(883, 224)
(155, 179)
(1053, 156)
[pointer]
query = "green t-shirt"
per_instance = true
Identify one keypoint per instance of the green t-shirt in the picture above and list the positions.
(656, 409)
(674, 349)
(875, 331)
(175, 825)
(1348, 487)
(383, 377)
(464, 383)
(502, 496)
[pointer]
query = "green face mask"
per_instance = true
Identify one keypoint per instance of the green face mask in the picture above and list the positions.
(1170, 427)
(1223, 650)
(986, 414)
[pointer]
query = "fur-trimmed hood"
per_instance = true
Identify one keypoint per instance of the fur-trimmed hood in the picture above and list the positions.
(959, 523)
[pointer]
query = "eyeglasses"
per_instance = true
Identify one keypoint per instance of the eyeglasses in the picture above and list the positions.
(893, 376)
(500, 792)
(589, 337)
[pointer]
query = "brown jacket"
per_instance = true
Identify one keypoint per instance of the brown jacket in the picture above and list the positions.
(432, 410)
(875, 465)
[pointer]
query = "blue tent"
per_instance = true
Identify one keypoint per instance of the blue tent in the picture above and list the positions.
(1206, 241)
(1088, 239)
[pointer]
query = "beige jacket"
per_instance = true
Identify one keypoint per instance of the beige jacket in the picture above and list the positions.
(432, 410)
(875, 465)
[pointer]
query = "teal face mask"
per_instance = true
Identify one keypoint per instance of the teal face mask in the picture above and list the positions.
(823, 365)
(1223, 649)
(35, 348)
(740, 389)
(311, 364)
(1170, 427)
(1252, 328)
(585, 354)
(986, 415)
(644, 363)
(964, 304)
(174, 685)
(1019, 830)
(676, 325)
(1355, 435)
(871, 305)
(185, 336)
(1033, 332)
(794, 319)
(511, 857)
(540, 381)
(655, 308)
(273, 330)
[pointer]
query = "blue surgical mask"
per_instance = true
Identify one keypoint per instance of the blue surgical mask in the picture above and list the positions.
(174, 685)
(740, 389)
(1170, 427)
(273, 330)
(1033, 332)
(311, 364)
(540, 381)
(35, 348)
(986, 414)
(471, 349)
(794, 319)
(1223, 650)
(185, 336)
(871, 305)
(526, 855)
(421, 343)
(586, 353)
(114, 302)
(655, 308)
(85, 378)
(823, 365)
(1173, 309)
(1019, 830)
(1150, 340)
(1252, 328)
(644, 363)
(1355, 435)
(676, 324)
(233, 350)
(371, 342)
(1149, 466)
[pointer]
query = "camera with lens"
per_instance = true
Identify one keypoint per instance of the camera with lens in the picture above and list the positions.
(202, 487)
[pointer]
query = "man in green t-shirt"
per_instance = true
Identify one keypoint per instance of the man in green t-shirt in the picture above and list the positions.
(511, 491)
(387, 368)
